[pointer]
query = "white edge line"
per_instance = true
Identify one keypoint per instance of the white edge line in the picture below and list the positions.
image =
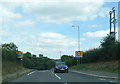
(111, 81)
(94, 75)
(30, 73)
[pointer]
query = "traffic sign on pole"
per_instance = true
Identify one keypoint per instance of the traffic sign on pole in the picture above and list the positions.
(78, 53)
(19, 54)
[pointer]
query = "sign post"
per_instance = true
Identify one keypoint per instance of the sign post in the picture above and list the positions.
(19, 56)
(79, 54)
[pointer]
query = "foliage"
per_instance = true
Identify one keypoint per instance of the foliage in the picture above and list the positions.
(8, 55)
(69, 60)
(107, 66)
(34, 62)
(12, 70)
(28, 61)
(108, 50)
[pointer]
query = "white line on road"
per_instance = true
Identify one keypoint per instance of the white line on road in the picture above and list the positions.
(55, 75)
(102, 79)
(31, 73)
(65, 83)
(52, 72)
(43, 71)
(95, 75)
(112, 81)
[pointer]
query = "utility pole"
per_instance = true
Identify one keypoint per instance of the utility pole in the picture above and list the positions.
(119, 21)
(112, 23)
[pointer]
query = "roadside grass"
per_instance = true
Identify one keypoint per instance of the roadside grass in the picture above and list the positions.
(12, 70)
(109, 66)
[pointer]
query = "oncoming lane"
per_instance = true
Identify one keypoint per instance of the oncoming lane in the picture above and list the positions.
(38, 76)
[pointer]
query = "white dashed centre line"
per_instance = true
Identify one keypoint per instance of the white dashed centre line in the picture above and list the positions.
(112, 81)
(65, 83)
(102, 79)
(56, 75)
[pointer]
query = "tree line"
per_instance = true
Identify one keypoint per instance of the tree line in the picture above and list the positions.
(39, 63)
(28, 60)
(108, 50)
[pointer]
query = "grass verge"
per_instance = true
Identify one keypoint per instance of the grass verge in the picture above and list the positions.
(110, 66)
(11, 70)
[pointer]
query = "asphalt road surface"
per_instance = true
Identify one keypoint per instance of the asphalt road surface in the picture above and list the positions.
(49, 77)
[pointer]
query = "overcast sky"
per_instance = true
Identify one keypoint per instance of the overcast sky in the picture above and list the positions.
(45, 27)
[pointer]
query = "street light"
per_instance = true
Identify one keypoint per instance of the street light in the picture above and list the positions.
(78, 40)
(78, 36)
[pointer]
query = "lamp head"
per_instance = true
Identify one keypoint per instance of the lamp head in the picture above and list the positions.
(113, 8)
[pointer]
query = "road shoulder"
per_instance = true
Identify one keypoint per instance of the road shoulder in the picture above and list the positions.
(105, 75)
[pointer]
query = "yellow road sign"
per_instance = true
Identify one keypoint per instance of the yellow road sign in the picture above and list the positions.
(19, 54)
(78, 53)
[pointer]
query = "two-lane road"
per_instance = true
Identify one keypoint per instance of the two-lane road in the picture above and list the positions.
(48, 76)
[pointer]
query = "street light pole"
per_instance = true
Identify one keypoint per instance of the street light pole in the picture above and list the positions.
(78, 37)
(78, 41)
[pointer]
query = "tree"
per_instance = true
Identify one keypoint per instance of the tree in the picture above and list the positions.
(10, 46)
(69, 60)
(108, 50)
(9, 53)
(107, 42)
(34, 56)
(40, 55)
(27, 60)
(66, 57)
(27, 63)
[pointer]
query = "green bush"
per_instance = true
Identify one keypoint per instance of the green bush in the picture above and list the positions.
(9, 55)
(69, 60)
(28, 61)
(108, 50)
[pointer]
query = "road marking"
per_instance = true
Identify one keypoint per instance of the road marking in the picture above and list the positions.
(52, 72)
(95, 75)
(43, 71)
(66, 83)
(31, 73)
(102, 79)
(112, 81)
(57, 76)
